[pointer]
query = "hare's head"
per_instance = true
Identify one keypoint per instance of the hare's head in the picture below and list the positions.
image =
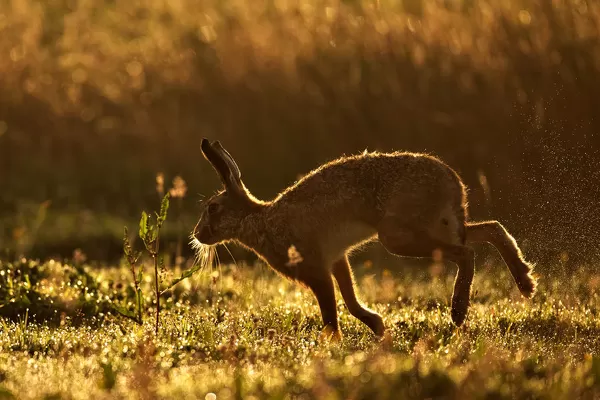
(222, 213)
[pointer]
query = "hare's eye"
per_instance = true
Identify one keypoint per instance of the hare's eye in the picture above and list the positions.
(213, 208)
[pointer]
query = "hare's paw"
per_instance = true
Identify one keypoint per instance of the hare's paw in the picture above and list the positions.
(374, 322)
(329, 334)
(527, 283)
(460, 308)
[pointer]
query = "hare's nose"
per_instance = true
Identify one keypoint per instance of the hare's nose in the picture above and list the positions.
(202, 233)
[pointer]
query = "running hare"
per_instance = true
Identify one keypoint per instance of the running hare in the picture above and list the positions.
(413, 203)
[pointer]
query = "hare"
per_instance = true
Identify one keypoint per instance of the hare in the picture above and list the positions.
(414, 204)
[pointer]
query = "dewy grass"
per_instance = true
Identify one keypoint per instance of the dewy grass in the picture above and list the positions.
(260, 339)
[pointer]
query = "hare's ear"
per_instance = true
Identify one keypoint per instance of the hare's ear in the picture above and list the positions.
(224, 164)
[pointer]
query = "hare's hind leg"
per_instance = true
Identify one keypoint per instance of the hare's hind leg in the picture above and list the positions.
(414, 241)
(343, 274)
(493, 232)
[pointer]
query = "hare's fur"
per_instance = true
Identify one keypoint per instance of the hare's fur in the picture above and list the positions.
(413, 203)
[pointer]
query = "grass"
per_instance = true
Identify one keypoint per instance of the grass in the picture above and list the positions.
(247, 333)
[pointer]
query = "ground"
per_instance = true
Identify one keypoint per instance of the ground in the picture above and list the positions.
(242, 331)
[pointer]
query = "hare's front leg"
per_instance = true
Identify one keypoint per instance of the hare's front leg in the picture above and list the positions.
(343, 275)
(322, 286)
(414, 241)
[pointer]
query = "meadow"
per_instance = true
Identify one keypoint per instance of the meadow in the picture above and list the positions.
(242, 332)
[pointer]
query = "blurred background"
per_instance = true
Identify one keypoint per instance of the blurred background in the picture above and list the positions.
(98, 97)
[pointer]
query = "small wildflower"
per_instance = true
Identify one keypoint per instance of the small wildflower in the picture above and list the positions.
(79, 256)
(179, 188)
(483, 181)
(160, 184)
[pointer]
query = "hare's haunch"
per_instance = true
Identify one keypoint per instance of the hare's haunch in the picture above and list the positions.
(413, 203)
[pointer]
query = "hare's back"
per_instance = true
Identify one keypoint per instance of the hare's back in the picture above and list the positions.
(371, 175)
(417, 173)
(393, 172)
(378, 180)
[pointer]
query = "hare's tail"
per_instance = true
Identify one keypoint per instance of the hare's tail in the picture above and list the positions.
(493, 232)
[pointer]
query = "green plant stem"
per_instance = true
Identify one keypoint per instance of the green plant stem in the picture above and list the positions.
(179, 230)
(156, 284)
(137, 296)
